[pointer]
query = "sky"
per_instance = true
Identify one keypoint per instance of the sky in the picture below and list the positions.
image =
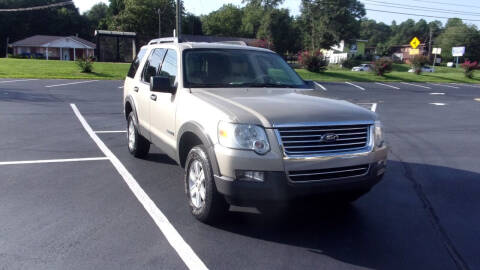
(467, 9)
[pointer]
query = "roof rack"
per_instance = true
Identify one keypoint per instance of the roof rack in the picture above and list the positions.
(232, 42)
(163, 40)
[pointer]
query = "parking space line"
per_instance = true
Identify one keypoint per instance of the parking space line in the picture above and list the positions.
(416, 85)
(444, 85)
(391, 86)
(374, 107)
(185, 252)
(321, 86)
(64, 84)
(359, 87)
(26, 80)
(110, 131)
(438, 104)
(441, 94)
(51, 161)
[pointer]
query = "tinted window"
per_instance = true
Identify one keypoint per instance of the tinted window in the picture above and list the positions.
(153, 64)
(237, 68)
(134, 66)
(169, 66)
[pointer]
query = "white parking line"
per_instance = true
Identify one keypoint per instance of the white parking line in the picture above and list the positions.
(26, 80)
(120, 87)
(51, 161)
(441, 94)
(110, 131)
(374, 107)
(171, 234)
(321, 86)
(416, 85)
(438, 104)
(359, 87)
(57, 85)
(391, 86)
(449, 86)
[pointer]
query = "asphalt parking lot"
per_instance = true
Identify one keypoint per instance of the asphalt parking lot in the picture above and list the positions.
(73, 198)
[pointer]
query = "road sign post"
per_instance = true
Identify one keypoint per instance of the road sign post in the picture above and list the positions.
(436, 51)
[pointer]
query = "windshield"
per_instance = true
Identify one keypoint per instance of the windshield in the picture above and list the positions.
(237, 68)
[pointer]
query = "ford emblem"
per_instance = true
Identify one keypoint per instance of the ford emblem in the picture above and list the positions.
(329, 137)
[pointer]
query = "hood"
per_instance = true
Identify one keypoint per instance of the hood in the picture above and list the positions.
(274, 107)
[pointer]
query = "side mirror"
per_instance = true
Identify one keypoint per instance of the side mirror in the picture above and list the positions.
(162, 84)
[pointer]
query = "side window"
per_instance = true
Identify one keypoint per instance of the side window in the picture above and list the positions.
(169, 66)
(153, 64)
(134, 66)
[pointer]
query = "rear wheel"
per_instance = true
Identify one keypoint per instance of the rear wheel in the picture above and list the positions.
(206, 204)
(138, 146)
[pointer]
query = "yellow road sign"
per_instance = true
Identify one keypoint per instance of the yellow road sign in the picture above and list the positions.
(414, 51)
(415, 42)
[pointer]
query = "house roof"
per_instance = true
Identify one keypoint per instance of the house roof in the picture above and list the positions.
(43, 41)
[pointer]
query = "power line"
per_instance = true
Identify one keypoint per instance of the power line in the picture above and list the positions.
(447, 3)
(420, 15)
(404, 6)
(37, 7)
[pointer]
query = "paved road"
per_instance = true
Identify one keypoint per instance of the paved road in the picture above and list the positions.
(79, 212)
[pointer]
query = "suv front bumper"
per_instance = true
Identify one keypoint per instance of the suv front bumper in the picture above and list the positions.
(278, 187)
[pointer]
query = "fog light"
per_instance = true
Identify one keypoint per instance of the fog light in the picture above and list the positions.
(250, 176)
(381, 167)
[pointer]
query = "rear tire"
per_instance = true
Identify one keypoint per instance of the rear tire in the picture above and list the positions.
(206, 204)
(138, 146)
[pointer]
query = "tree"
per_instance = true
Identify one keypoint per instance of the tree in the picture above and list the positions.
(98, 16)
(191, 24)
(279, 29)
(226, 22)
(141, 16)
(458, 34)
(328, 22)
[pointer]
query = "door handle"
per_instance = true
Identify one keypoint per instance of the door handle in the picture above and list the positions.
(153, 97)
(136, 89)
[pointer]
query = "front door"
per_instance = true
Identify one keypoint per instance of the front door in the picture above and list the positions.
(66, 54)
(163, 109)
(151, 68)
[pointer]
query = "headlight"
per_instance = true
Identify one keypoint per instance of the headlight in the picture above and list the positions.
(241, 136)
(379, 139)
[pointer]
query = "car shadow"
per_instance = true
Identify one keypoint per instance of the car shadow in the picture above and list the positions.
(389, 228)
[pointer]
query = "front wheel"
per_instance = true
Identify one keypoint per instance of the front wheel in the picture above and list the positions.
(138, 146)
(206, 204)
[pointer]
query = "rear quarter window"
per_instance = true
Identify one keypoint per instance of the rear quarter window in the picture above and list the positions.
(136, 63)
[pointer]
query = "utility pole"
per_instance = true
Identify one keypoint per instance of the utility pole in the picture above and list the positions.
(159, 11)
(179, 19)
(430, 44)
(6, 49)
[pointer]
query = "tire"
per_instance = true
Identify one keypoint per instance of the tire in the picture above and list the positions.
(138, 146)
(206, 204)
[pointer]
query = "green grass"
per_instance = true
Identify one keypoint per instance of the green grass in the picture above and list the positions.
(399, 74)
(42, 69)
(51, 69)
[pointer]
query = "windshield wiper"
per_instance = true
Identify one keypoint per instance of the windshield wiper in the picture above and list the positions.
(278, 85)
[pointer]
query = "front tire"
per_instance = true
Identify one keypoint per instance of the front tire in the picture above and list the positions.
(138, 146)
(205, 203)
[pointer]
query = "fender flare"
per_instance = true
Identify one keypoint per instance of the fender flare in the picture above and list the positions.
(199, 131)
(129, 99)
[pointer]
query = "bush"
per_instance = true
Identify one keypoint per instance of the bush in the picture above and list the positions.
(382, 65)
(418, 62)
(85, 65)
(469, 68)
(313, 62)
(351, 62)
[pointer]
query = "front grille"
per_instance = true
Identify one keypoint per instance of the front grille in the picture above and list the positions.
(328, 174)
(310, 140)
